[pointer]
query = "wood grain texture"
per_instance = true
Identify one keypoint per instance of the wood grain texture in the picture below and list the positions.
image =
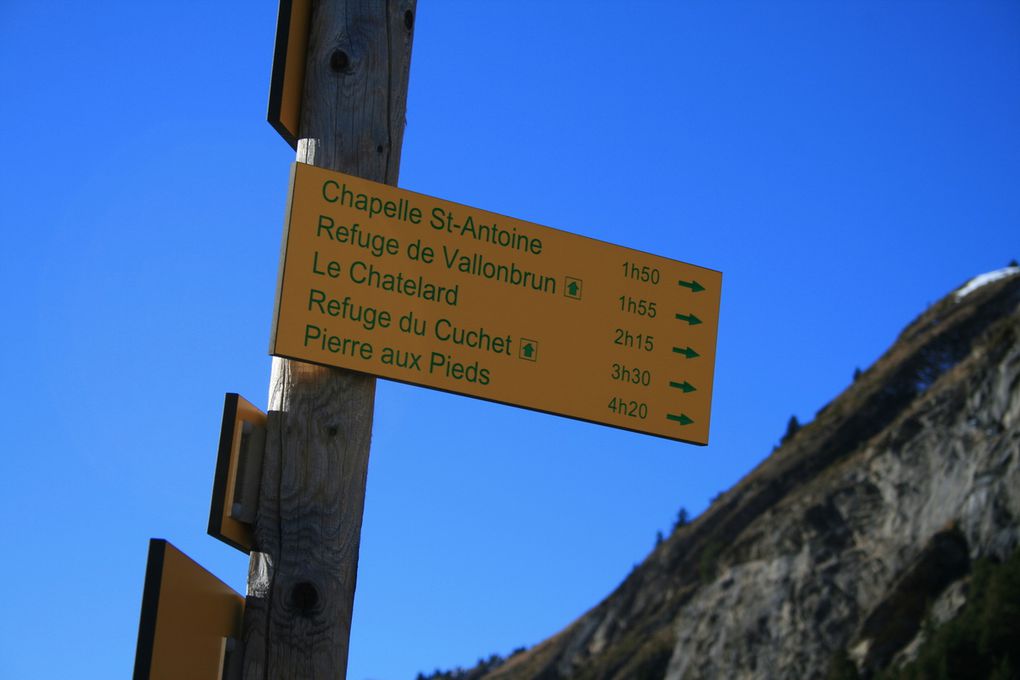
(314, 472)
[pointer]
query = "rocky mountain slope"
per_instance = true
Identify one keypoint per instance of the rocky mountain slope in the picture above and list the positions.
(861, 526)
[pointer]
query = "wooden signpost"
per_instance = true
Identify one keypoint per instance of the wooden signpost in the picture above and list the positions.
(307, 528)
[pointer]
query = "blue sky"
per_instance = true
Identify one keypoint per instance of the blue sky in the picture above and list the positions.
(843, 164)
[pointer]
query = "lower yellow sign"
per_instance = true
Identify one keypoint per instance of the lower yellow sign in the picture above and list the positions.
(188, 617)
(425, 291)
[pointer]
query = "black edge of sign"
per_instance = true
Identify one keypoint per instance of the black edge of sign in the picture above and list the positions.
(283, 20)
(280, 271)
(150, 605)
(222, 474)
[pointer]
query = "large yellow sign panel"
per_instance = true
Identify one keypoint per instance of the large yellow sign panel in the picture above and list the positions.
(425, 291)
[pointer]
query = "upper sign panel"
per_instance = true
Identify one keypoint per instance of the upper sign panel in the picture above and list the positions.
(426, 291)
(287, 85)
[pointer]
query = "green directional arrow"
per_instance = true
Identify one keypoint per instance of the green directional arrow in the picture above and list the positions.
(572, 289)
(693, 285)
(682, 419)
(528, 350)
(685, 386)
(689, 318)
(686, 351)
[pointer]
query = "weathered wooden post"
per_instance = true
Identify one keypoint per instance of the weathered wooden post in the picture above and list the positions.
(308, 524)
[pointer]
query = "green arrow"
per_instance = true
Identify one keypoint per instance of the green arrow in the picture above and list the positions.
(685, 386)
(682, 419)
(572, 289)
(693, 285)
(528, 350)
(687, 352)
(689, 318)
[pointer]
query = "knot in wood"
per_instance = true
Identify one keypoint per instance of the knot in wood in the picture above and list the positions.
(339, 61)
(304, 597)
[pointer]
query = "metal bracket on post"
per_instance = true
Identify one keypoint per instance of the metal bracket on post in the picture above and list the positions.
(231, 658)
(235, 491)
(249, 472)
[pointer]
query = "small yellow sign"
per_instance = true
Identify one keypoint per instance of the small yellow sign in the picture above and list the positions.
(188, 616)
(238, 470)
(425, 291)
(287, 85)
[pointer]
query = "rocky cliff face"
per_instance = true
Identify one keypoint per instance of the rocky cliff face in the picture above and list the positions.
(862, 524)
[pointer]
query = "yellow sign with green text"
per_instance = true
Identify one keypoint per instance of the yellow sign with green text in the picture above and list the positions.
(425, 291)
